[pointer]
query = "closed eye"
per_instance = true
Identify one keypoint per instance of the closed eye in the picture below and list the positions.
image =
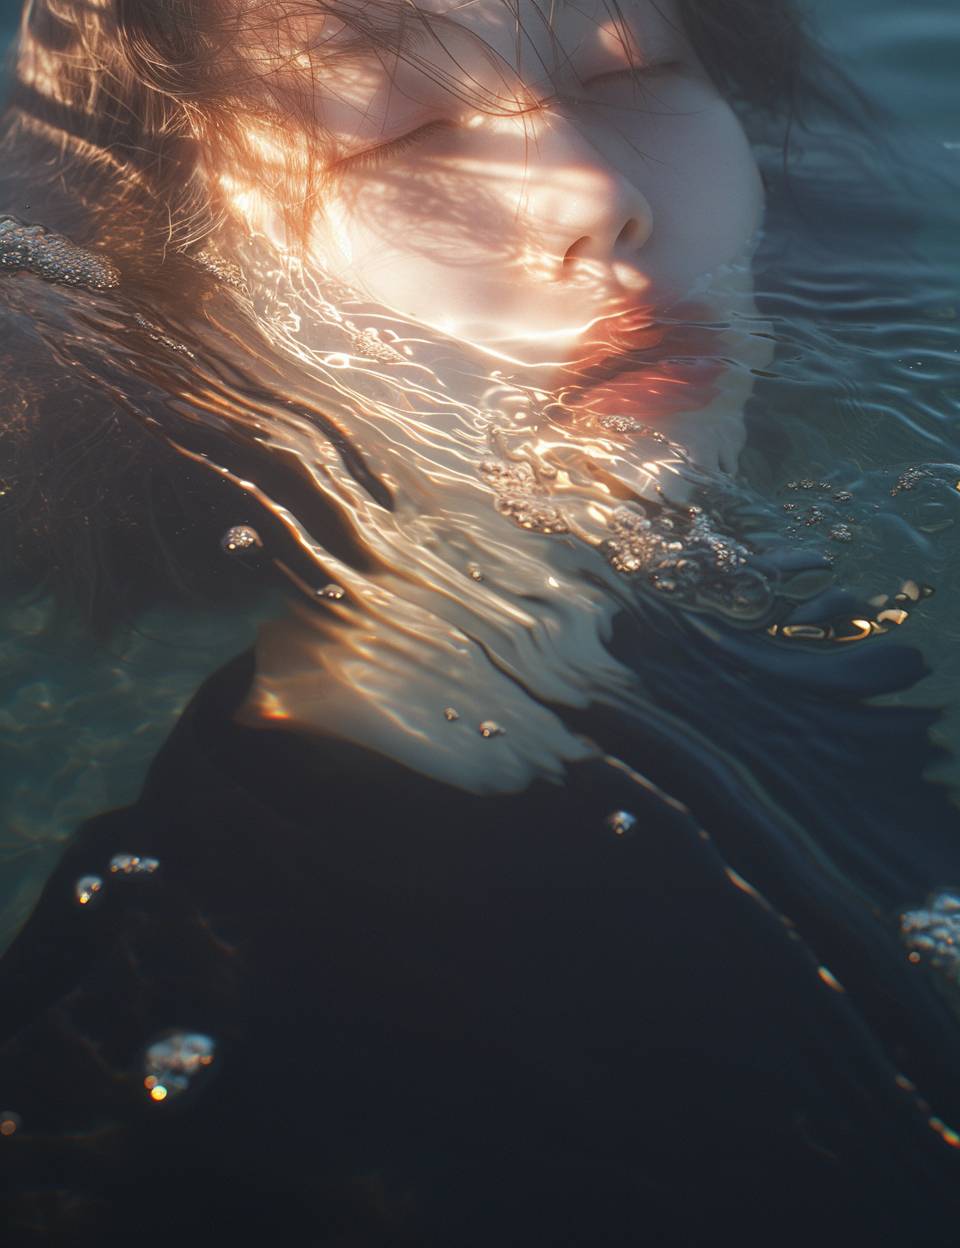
(374, 156)
(636, 72)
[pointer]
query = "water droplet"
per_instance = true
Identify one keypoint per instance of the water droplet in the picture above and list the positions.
(132, 866)
(490, 729)
(240, 540)
(332, 592)
(450, 714)
(620, 822)
(87, 889)
(171, 1063)
(10, 1122)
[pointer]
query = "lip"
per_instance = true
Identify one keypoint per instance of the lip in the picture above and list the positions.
(648, 368)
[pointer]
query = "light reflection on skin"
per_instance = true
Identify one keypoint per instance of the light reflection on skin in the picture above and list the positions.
(589, 202)
(569, 221)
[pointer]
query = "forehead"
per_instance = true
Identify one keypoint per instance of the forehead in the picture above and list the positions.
(494, 53)
(527, 36)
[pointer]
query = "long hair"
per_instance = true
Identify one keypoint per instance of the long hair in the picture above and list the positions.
(111, 105)
(140, 88)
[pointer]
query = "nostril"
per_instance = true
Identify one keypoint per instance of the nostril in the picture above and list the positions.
(572, 254)
(629, 234)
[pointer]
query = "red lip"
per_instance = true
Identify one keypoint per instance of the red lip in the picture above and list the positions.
(648, 369)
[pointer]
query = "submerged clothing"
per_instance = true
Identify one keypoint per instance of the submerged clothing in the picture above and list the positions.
(442, 1020)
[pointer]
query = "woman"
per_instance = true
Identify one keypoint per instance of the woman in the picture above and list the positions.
(442, 317)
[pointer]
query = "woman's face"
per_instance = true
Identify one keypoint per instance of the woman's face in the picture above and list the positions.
(581, 195)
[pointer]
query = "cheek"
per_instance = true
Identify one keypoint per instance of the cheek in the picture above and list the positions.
(429, 240)
(695, 167)
(411, 270)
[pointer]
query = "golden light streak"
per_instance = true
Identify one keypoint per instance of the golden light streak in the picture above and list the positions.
(644, 782)
(830, 979)
(947, 1134)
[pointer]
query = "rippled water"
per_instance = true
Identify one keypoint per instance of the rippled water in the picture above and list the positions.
(751, 665)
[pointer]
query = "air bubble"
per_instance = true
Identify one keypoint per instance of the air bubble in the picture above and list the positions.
(10, 1122)
(909, 480)
(132, 866)
(491, 729)
(174, 1061)
(53, 257)
(450, 714)
(332, 592)
(932, 935)
(621, 823)
(241, 539)
(87, 889)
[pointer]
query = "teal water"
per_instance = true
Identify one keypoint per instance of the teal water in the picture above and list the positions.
(859, 278)
(854, 449)
(860, 281)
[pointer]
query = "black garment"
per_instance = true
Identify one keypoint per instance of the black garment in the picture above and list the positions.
(440, 1020)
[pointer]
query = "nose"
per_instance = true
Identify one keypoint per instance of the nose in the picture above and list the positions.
(585, 211)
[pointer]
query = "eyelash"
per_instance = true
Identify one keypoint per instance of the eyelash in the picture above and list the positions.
(375, 156)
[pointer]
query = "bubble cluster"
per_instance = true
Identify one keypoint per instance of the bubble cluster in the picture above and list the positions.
(240, 540)
(521, 498)
(627, 424)
(87, 889)
(531, 512)
(368, 344)
(156, 334)
(225, 271)
(132, 866)
(909, 480)
(172, 1063)
(686, 558)
(514, 478)
(620, 822)
(32, 249)
(932, 935)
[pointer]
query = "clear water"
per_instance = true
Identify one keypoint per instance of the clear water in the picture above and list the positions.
(852, 452)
